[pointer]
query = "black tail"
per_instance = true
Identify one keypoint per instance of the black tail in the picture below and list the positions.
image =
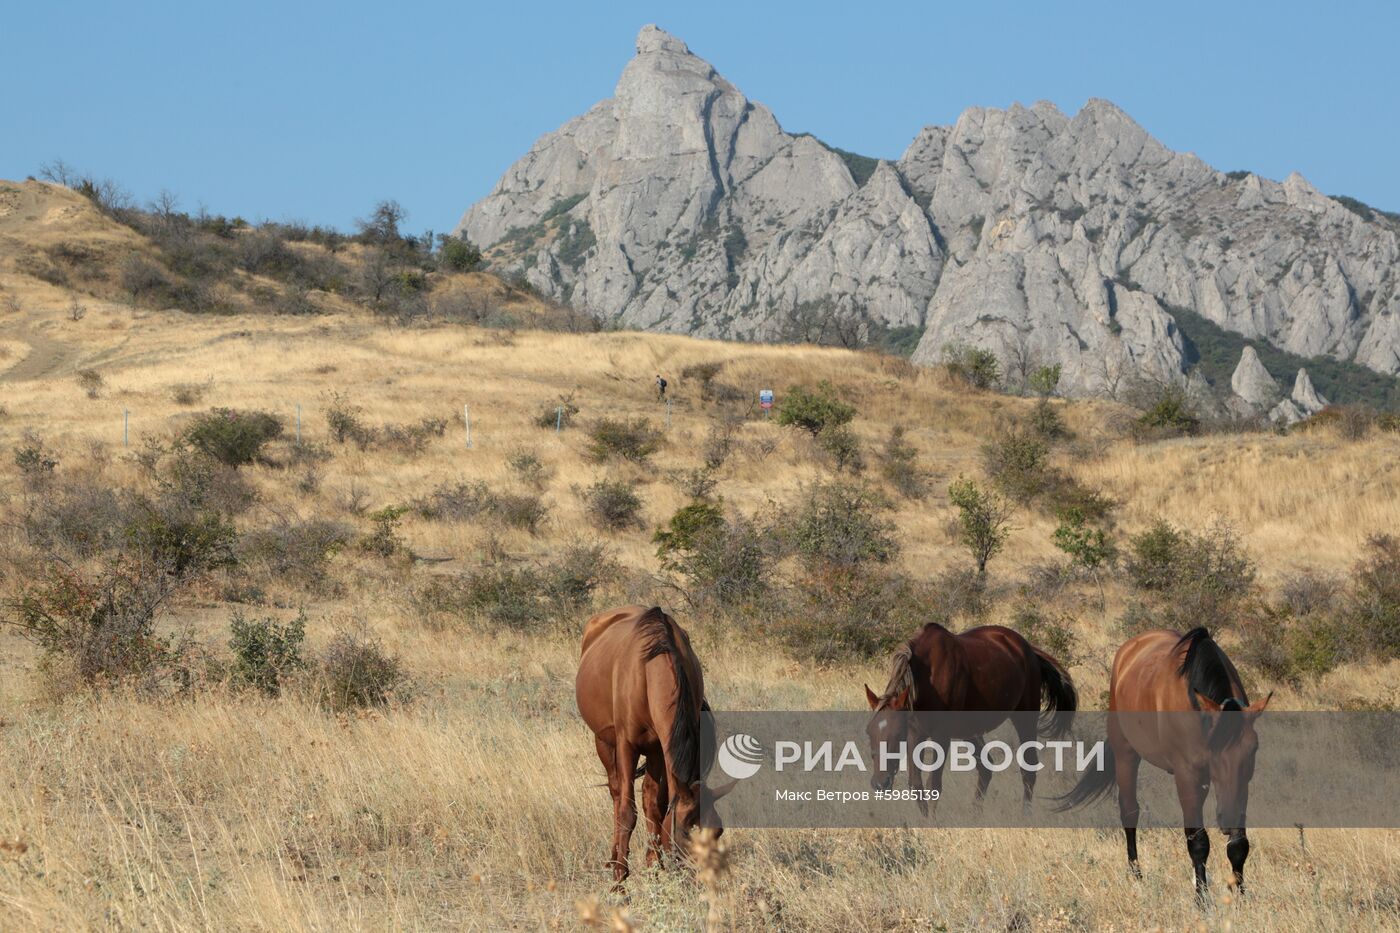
(1094, 785)
(1059, 695)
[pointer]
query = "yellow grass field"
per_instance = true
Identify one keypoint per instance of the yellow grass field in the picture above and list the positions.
(476, 801)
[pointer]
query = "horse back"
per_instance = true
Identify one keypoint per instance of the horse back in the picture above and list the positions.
(594, 628)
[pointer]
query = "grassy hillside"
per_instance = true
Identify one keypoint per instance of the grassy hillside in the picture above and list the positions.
(181, 797)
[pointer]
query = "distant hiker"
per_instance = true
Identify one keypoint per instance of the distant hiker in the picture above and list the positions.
(660, 387)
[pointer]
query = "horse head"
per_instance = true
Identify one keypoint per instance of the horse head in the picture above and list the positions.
(888, 726)
(1233, 745)
(693, 807)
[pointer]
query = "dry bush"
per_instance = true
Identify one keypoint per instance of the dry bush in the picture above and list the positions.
(633, 440)
(356, 672)
(91, 382)
(296, 550)
(613, 505)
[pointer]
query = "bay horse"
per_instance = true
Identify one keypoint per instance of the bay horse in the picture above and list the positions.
(989, 673)
(640, 689)
(1167, 672)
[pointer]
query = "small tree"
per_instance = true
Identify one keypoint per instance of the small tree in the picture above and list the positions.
(977, 366)
(1045, 379)
(457, 254)
(814, 410)
(265, 651)
(1088, 547)
(984, 521)
(383, 223)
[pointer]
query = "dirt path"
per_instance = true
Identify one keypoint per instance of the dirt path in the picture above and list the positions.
(46, 356)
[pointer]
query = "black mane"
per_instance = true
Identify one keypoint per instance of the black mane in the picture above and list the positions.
(1208, 672)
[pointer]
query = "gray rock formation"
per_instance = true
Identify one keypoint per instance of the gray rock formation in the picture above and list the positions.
(679, 204)
(1305, 396)
(1252, 382)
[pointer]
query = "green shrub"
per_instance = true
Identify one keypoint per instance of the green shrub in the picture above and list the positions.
(520, 596)
(899, 464)
(265, 651)
(1045, 379)
(530, 469)
(984, 521)
(519, 510)
(1168, 413)
(1199, 578)
(1288, 648)
(457, 255)
(1374, 606)
(842, 446)
(1087, 547)
(814, 410)
(1047, 422)
(976, 366)
(297, 550)
(613, 505)
(842, 525)
(356, 672)
(233, 437)
(384, 539)
(343, 419)
(841, 615)
(1052, 634)
(718, 561)
(1018, 464)
(633, 440)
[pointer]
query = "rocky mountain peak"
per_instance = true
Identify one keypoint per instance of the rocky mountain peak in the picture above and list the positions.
(680, 204)
(652, 39)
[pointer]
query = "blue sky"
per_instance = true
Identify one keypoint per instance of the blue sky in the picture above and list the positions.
(312, 111)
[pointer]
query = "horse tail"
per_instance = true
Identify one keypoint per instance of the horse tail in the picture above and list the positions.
(1058, 694)
(684, 744)
(1094, 785)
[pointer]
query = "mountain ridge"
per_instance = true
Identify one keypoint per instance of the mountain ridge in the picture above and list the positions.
(680, 204)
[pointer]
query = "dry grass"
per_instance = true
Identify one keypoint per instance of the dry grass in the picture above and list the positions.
(477, 804)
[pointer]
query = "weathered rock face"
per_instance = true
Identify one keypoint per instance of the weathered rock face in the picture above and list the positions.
(1252, 382)
(1305, 396)
(681, 205)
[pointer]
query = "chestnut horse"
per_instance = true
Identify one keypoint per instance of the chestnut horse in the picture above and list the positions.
(1167, 672)
(640, 690)
(990, 672)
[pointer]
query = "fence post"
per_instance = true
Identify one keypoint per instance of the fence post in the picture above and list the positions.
(558, 419)
(467, 420)
(126, 427)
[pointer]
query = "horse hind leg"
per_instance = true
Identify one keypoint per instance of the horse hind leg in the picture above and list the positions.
(624, 811)
(1125, 767)
(654, 800)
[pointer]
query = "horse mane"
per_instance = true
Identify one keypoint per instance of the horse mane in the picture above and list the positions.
(901, 673)
(685, 743)
(1208, 672)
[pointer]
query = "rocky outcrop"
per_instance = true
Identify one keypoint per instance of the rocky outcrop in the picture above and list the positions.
(679, 204)
(1252, 382)
(1305, 396)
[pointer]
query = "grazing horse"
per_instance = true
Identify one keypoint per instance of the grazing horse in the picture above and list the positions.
(1167, 672)
(988, 674)
(640, 690)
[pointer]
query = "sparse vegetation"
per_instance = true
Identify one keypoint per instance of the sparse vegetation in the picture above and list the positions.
(814, 410)
(631, 439)
(613, 505)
